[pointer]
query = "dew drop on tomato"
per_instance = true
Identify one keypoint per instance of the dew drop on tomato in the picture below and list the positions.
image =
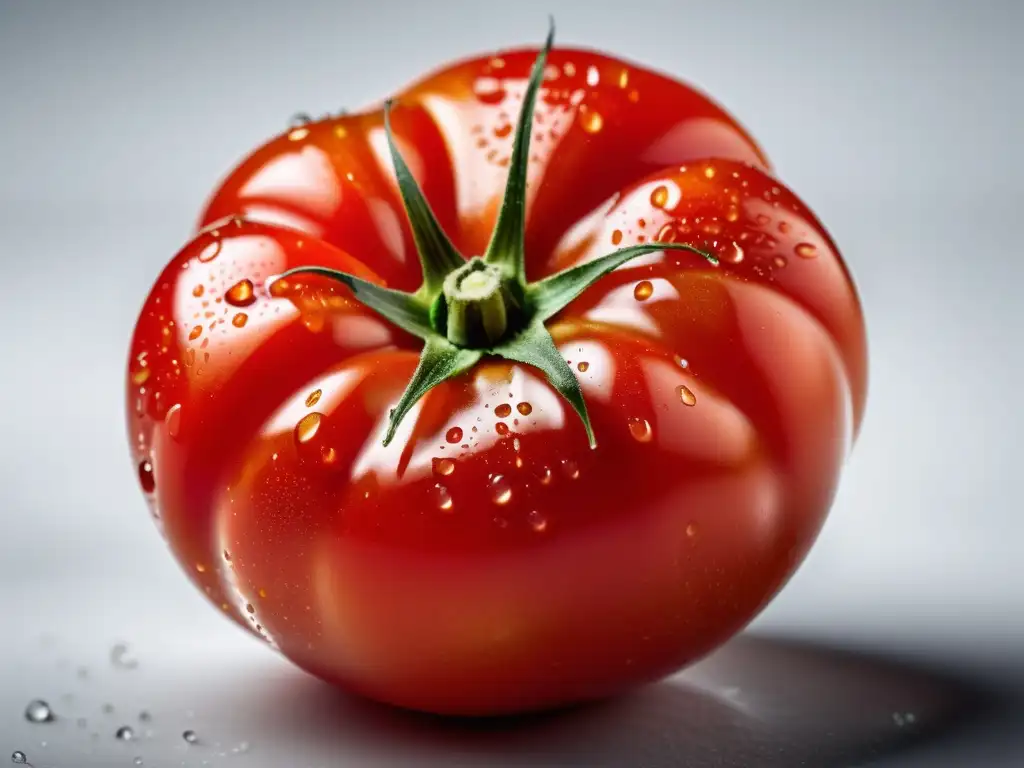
(195, 333)
(545, 475)
(307, 427)
(524, 408)
(686, 396)
(779, 262)
(328, 455)
(643, 290)
(733, 253)
(501, 490)
(640, 429)
(443, 467)
(173, 420)
(659, 196)
(210, 252)
(501, 428)
(240, 320)
(314, 398)
(582, 367)
(489, 90)
(691, 530)
(241, 294)
(616, 237)
(453, 435)
(146, 479)
(503, 410)
(442, 498)
(537, 521)
(591, 121)
(806, 251)
(570, 469)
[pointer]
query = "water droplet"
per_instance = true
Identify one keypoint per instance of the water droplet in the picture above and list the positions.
(545, 475)
(443, 467)
(173, 420)
(779, 261)
(38, 711)
(198, 291)
(124, 733)
(503, 410)
(489, 90)
(686, 395)
(709, 172)
(537, 521)
(19, 757)
(623, 78)
(137, 761)
(616, 237)
(640, 429)
(314, 398)
(307, 427)
(196, 332)
(582, 367)
(501, 428)
(592, 121)
(241, 294)
(503, 130)
(691, 530)
(141, 376)
(501, 491)
(806, 251)
(525, 409)
(643, 290)
(210, 252)
(200, 567)
(300, 119)
(569, 469)
(784, 227)
(250, 608)
(119, 651)
(453, 435)
(190, 737)
(146, 479)
(762, 219)
(240, 320)
(442, 498)
(328, 454)
(733, 253)
(298, 134)
(732, 214)
(659, 196)
(593, 76)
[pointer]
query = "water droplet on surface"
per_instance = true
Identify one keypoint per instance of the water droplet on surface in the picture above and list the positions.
(19, 757)
(593, 76)
(779, 262)
(501, 490)
(240, 320)
(640, 429)
(190, 737)
(545, 475)
(298, 134)
(569, 469)
(616, 237)
(119, 651)
(307, 427)
(806, 251)
(489, 90)
(537, 521)
(196, 332)
(503, 410)
(592, 121)
(137, 761)
(442, 498)
(582, 367)
(691, 530)
(173, 420)
(686, 395)
(443, 467)
(250, 608)
(198, 290)
(146, 479)
(124, 733)
(503, 130)
(784, 227)
(501, 428)
(659, 196)
(241, 294)
(38, 711)
(200, 567)
(453, 435)
(328, 454)
(643, 290)
(314, 398)
(733, 253)
(709, 172)
(525, 409)
(210, 252)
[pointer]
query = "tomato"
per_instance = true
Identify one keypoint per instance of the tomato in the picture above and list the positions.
(583, 486)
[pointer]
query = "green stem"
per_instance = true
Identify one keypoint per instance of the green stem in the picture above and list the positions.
(478, 311)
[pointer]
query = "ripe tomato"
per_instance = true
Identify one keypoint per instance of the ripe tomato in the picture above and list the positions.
(489, 558)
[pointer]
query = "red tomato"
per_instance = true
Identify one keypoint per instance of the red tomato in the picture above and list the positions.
(488, 560)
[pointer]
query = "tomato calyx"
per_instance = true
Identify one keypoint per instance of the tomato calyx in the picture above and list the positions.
(468, 308)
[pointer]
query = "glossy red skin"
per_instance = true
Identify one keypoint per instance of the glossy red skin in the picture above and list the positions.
(604, 568)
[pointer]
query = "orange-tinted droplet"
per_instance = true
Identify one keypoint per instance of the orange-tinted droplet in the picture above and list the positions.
(616, 237)
(141, 376)
(501, 490)
(241, 294)
(659, 196)
(643, 290)
(570, 469)
(443, 467)
(634, 96)
(195, 333)
(501, 428)
(173, 420)
(503, 410)
(686, 395)
(489, 90)
(784, 227)
(210, 252)
(525, 408)
(307, 427)
(546, 475)
(763, 219)
(641, 430)
(198, 290)
(503, 130)
(582, 367)
(709, 172)
(779, 262)
(733, 253)
(314, 398)
(240, 320)
(667, 234)
(453, 435)
(201, 568)
(591, 121)
(146, 479)
(328, 455)
(691, 530)
(442, 498)
(279, 288)
(537, 521)
(806, 251)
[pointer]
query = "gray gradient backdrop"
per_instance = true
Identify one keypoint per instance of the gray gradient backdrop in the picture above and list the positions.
(899, 122)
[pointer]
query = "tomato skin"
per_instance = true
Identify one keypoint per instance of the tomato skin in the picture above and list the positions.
(488, 561)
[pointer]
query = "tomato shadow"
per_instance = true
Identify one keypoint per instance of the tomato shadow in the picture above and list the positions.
(760, 701)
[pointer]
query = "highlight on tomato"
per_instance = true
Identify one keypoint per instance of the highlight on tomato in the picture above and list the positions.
(527, 386)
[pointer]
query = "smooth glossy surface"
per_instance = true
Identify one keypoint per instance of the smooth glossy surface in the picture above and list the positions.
(488, 560)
